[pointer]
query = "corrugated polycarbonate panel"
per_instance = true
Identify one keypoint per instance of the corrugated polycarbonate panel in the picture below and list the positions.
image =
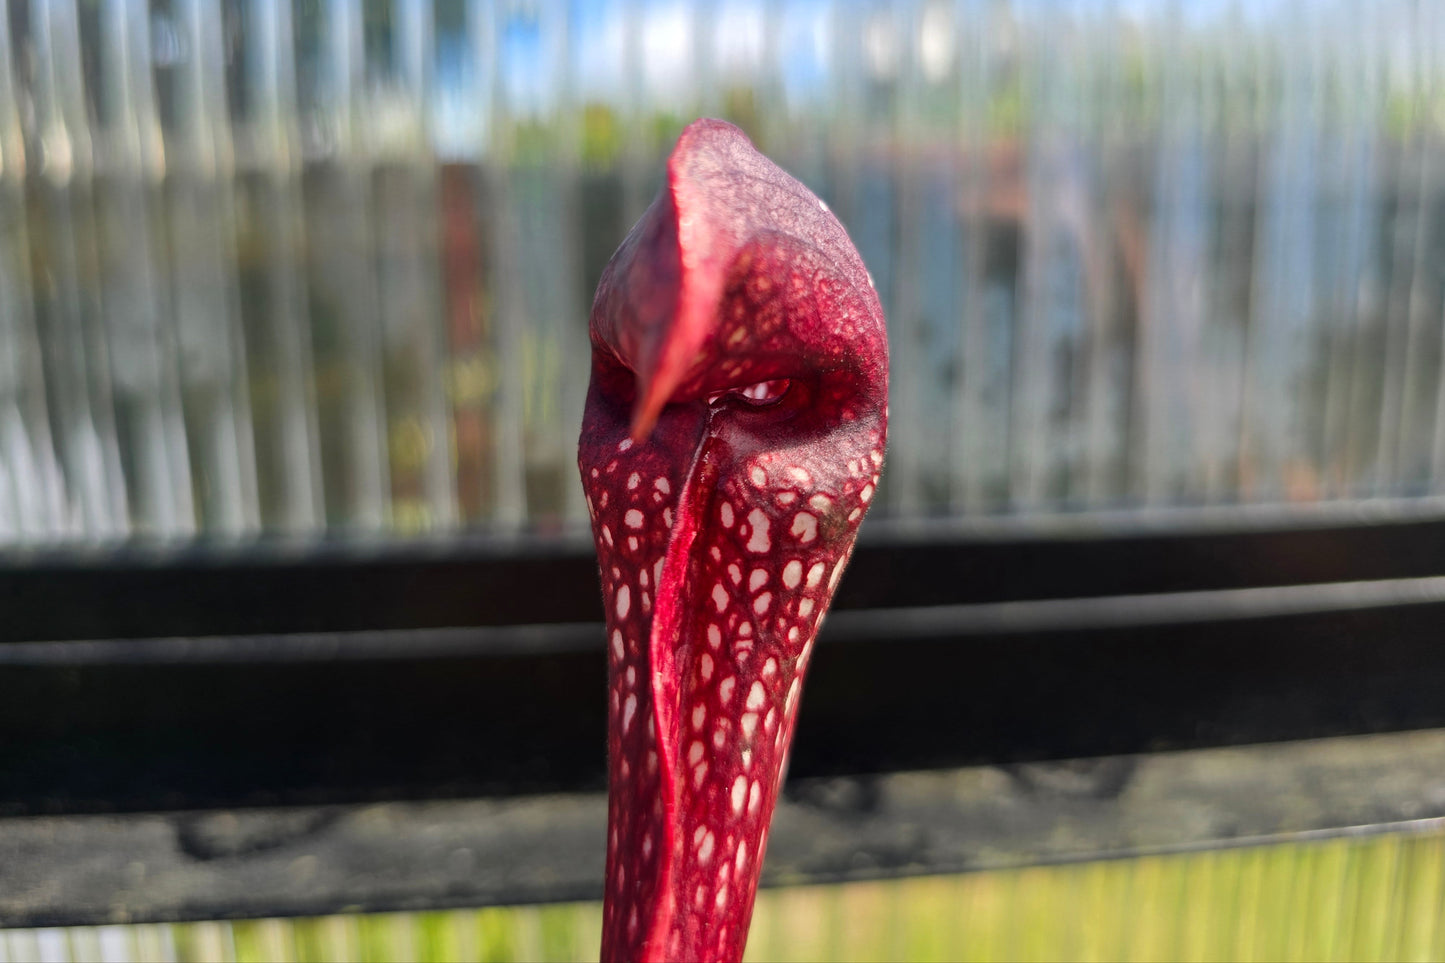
(283, 268)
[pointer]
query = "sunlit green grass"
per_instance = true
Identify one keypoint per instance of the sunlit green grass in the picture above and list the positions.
(1369, 898)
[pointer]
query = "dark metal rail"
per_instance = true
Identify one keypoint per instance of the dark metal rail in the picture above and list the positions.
(277, 588)
(203, 688)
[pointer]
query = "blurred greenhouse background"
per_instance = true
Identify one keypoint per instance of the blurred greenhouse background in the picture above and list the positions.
(325, 266)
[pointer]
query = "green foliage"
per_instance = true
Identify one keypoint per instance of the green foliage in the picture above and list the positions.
(601, 136)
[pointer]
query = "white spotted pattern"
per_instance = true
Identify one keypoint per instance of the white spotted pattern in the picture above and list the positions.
(815, 574)
(758, 540)
(805, 527)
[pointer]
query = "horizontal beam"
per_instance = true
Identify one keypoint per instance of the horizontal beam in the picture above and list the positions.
(261, 721)
(276, 589)
(216, 704)
(310, 860)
